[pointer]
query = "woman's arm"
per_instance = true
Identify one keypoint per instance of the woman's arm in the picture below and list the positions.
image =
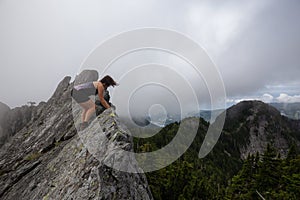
(100, 89)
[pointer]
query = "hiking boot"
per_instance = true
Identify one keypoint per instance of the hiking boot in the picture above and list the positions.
(83, 125)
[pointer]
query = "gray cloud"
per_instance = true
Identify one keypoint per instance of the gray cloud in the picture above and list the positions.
(255, 44)
(265, 55)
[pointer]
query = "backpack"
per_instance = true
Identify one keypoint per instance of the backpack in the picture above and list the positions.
(99, 107)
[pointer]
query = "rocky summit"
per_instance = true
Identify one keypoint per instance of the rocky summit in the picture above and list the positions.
(45, 157)
(251, 125)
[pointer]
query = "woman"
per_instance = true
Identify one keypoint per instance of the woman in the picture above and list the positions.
(81, 94)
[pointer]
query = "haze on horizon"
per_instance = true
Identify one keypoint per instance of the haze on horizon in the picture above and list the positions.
(255, 44)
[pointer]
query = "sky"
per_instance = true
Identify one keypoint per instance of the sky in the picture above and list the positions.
(254, 44)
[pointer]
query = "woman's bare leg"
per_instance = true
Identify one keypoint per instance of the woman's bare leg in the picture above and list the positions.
(83, 114)
(89, 109)
(84, 107)
(90, 112)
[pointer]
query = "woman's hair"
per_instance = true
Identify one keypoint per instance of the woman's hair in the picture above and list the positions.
(108, 81)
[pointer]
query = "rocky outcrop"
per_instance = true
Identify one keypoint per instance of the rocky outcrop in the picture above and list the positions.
(47, 159)
(86, 76)
(14, 120)
(4, 109)
(252, 125)
(22, 117)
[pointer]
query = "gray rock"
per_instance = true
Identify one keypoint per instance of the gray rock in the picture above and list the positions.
(61, 89)
(47, 159)
(14, 121)
(4, 109)
(86, 76)
(22, 117)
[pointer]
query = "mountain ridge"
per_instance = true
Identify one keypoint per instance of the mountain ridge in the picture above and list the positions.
(47, 159)
(254, 124)
(221, 174)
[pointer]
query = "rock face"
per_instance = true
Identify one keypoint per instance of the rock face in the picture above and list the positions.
(22, 117)
(253, 124)
(4, 109)
(16, 119)
(47, 159)
(86, 76)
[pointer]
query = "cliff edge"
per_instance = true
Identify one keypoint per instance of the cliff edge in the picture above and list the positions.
(47, 159)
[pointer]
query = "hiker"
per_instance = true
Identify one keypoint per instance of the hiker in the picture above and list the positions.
(81, 94)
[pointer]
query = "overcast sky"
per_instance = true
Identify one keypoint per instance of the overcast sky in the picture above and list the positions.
(255, 44)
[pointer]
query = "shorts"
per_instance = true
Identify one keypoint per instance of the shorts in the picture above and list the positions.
(80, 96)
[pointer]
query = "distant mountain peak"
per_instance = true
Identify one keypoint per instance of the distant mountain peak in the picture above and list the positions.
(254, 124)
